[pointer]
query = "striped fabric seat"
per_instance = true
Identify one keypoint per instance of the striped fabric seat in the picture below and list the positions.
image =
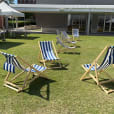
(109, 58)
(11, 62)
(37, 67)
(47, 50)
(75, 32)
(87, 66)
(9, 67)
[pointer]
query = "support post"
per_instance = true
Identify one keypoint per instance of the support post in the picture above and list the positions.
(88, 23)
(110, 25)
(104, 24)
(69, 19)
(16, 22)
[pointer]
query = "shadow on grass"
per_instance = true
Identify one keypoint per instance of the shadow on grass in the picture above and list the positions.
(77, 53)
(69, 51)
(40, 87)
(78, 46)
(7, 45)
(58, 66)
(79, 40)
(23, 37)
(109, 85)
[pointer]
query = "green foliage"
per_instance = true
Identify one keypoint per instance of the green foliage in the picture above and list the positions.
(11, 1)
(20, 23)
(63, 92)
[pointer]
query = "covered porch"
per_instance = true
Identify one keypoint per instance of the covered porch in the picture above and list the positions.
(88, 18)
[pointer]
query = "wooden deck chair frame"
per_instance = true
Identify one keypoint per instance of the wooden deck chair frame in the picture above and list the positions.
(42, 60)
(9, 83)
(97, 73)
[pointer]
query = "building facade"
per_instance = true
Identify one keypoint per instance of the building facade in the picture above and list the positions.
(87, 15)
(68, 2)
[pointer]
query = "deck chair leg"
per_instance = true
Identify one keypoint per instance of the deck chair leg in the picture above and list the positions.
(13, 88)
(88, 72)
(33, 79)
(14, 85)
(60, 64)
(83, 76)
(17, 75)
(24, 85)
(6, 78)
(36, 76)
(96, 74)
(44, 63)
(106, 89)
(93, 77)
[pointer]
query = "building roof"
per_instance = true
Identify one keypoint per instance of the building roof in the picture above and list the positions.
(50, 8)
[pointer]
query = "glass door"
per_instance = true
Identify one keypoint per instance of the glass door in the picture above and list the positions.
(79, 21)
(105, 23)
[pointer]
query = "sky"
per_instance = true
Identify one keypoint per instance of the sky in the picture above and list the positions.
(15, 1)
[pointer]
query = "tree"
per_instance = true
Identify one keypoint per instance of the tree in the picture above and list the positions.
(10, 1)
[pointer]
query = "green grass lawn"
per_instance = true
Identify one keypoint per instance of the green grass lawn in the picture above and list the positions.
(63, 92)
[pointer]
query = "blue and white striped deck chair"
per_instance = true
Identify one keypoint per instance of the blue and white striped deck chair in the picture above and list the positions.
(108, 60)
(65, 37)
(75, 33)
(63, 45)
(48, 52)
(12, 63)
